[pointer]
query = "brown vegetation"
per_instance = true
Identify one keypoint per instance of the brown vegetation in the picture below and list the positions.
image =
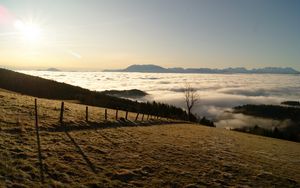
(112, 154)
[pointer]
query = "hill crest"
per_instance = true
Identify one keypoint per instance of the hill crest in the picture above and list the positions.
(150, 68)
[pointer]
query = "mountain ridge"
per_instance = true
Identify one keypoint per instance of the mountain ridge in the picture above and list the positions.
(150, 68)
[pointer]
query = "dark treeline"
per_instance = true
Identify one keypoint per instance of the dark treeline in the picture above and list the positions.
(291, 103)
(43, 88)
(270, 111)
(206, 122)
(288, 133)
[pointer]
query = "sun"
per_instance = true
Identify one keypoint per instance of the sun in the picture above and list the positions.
(29, 31)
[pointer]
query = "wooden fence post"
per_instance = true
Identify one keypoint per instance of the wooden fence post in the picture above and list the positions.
(62, 112)
(143, 117)
(105, 114)
(86, 113)
(126, 116)
(117, 111)
(38, 142)
(137, 116)
(148, 117)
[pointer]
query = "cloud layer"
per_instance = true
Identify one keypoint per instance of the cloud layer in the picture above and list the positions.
(218, 93)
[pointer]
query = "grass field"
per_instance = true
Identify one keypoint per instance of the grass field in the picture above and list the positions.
(113, 153)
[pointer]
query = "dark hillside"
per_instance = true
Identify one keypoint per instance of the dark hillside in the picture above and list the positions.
(290, 132)
(43, 88)
(270, 111)
(38, 87)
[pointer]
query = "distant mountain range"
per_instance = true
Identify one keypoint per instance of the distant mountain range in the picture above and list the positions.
(49, 69)
(158, 69)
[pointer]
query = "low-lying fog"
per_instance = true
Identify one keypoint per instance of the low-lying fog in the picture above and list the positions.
(218, 92)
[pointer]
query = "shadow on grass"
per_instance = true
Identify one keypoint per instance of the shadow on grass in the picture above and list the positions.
(68, 127)
(80, 151)
(105, 125)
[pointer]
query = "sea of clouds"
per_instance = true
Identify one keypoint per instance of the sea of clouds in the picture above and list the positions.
(218, 92)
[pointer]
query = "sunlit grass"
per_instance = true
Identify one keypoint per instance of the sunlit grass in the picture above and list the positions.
(153, 156)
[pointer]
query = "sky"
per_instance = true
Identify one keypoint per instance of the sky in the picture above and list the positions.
(108, 34)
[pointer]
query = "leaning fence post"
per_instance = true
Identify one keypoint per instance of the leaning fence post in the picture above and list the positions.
(137, 116)
(117, 111)
(105, 114)
(62, 112)
(143, 117)
(38, 142)
(86, 113)
(126, 115)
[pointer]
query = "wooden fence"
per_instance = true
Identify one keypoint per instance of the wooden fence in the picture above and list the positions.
(117, 115)
(61, 121)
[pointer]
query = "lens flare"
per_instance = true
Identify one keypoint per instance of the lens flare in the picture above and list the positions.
(30, 31)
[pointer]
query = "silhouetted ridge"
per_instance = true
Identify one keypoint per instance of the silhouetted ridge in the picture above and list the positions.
(291, 103)
(270, 111)
(290, 132)
(145, 68)
(43, 88)
(132, 93)
(239, 70)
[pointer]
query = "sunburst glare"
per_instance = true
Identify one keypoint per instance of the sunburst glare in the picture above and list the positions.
(29, 31)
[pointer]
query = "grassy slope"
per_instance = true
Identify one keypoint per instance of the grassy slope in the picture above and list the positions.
(40, 87)
(162, 155)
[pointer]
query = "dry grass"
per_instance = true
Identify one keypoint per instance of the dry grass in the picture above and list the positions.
(114, 155)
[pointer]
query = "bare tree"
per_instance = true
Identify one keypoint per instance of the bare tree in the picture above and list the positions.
(191, 98)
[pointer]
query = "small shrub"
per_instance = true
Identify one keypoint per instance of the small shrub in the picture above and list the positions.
(207, 122)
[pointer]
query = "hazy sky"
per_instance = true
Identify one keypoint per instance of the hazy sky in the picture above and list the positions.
(96, 34)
